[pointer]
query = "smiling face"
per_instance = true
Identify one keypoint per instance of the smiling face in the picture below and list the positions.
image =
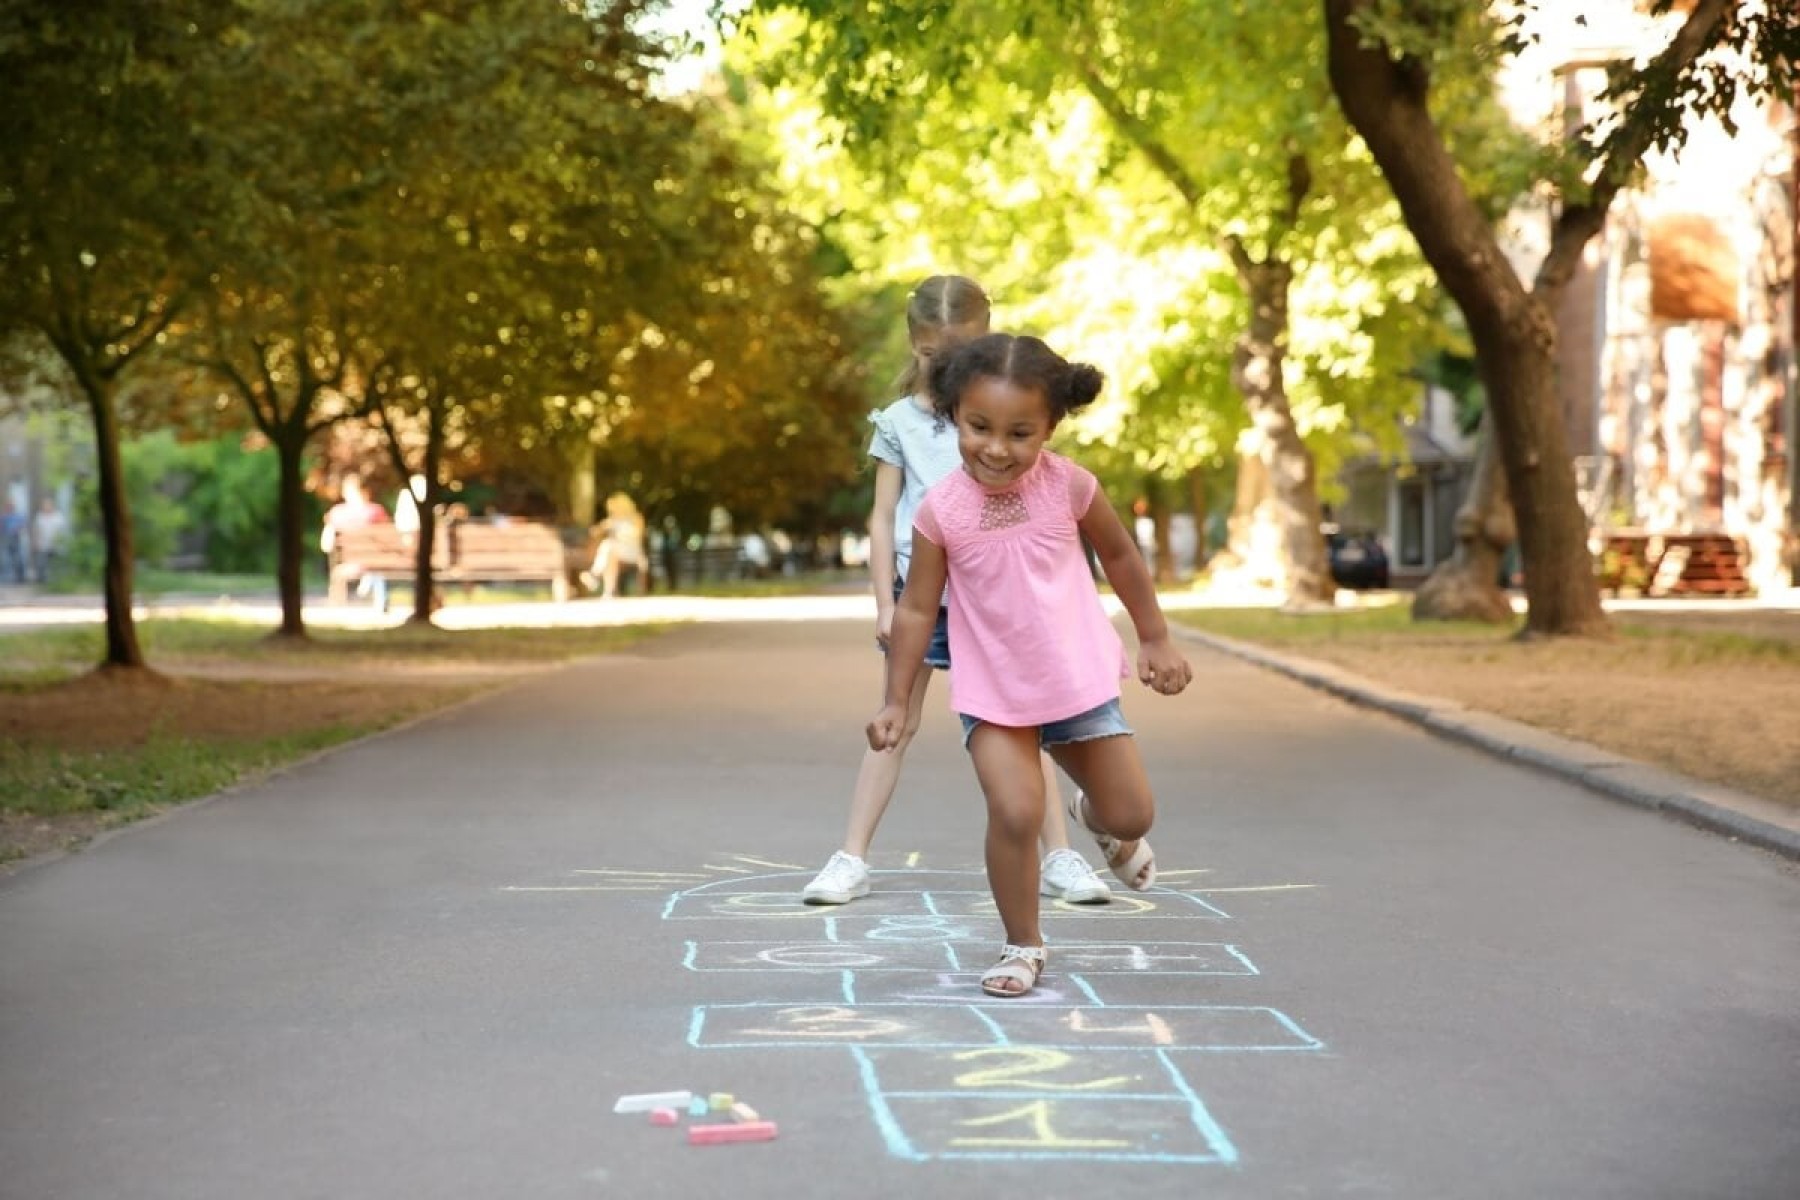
(1001, 429)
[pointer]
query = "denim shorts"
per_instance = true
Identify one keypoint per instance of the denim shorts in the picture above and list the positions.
(937, 652)
(1105, 720)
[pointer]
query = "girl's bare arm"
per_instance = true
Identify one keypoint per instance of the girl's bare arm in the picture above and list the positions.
(1160, 664)
(914, 619)
(889, 479)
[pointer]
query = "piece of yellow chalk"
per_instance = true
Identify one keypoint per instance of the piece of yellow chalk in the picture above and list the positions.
(743, 1112)
(712, 1135)
(721, 1101)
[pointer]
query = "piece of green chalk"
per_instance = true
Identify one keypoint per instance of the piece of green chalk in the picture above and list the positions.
(721, 1101)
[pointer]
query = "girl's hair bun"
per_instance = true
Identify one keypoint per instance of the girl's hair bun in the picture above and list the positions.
(1085, 381)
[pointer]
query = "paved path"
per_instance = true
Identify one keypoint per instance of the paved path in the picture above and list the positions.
(1381, 965)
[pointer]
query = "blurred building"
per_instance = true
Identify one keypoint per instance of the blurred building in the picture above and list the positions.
(1678, 332)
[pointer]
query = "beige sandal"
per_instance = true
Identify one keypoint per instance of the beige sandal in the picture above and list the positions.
(1136, 870)
(1020, 965)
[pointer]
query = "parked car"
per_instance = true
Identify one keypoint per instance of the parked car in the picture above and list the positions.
(1357, 558)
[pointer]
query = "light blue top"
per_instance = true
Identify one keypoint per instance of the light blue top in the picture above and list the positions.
(923, 446)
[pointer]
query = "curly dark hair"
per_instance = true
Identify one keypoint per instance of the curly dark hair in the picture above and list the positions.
(1021, 360)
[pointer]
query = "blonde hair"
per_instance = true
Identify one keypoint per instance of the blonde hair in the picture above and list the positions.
(941, 302)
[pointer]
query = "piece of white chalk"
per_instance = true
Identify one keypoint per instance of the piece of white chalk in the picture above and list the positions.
(649, 1100)
(743, 1112)
(664, 1116)
(712, 1135)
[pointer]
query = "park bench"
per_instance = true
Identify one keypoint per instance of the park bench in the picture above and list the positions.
(508, 552)
(1673, 564)
(466, 552)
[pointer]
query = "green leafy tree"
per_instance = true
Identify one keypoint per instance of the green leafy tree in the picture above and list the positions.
(109, 191)
(1234, 212)
(1385, 59)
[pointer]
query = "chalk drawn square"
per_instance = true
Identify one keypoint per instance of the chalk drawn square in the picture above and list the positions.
(1024, 1071)
(860, 955)
(1150, 958)
(740, 1026)
(787, 906)
(1035, 1103)
(960, 987)
(1141, 906)
(1213, 1027)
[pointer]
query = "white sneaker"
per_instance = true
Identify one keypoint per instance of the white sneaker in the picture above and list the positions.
(1067, 876)
(844, 878)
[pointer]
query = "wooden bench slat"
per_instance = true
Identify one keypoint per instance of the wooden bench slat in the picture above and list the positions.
(514, 552)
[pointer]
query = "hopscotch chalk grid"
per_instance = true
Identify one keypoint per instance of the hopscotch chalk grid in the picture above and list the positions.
(1072, 1071)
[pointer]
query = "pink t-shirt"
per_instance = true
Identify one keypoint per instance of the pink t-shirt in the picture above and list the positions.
(1029, 641)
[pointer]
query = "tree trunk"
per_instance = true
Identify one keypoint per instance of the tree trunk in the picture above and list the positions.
(122, 649)
(290, 533)
(1518, 369)
(1244, 534)
(1197, 499)
(583, 498)
(424, 581)
(1466, 586)
(1515, 337)
(671, 555)
(1295, 558)
(1162, 567)
(1256, 370)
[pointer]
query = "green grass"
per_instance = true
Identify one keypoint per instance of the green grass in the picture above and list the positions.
(161, 581)
(47, 654)
(44, 779)
(775, 585)
(130, 783)
(1345, 624)
(1393, 625)
(1692, 647)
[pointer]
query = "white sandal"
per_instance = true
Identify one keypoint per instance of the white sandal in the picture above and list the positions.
(1136, 870)
(1018, 964)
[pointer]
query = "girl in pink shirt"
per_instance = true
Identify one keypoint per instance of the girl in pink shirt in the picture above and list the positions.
(1034, 660)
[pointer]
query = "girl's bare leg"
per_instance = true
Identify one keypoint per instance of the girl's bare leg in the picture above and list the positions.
(608, 561)
(1110, 772)
(1007, 762)
(879, 775)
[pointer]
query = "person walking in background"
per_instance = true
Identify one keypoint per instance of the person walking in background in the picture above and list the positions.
(14, 563)
(620, 545)
(1038, 662)
(49, 533)
(913, 449)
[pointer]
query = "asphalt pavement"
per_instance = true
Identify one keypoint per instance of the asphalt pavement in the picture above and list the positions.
(429, 964)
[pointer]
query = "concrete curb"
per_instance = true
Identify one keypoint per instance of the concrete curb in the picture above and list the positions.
(1709, 806)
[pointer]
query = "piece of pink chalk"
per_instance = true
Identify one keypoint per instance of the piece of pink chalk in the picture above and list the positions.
(746, 1131)
(664, 1116)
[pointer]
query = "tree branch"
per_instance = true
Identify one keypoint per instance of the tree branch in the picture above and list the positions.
(1579, 223)
(1387, 108)
(1138, 133)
